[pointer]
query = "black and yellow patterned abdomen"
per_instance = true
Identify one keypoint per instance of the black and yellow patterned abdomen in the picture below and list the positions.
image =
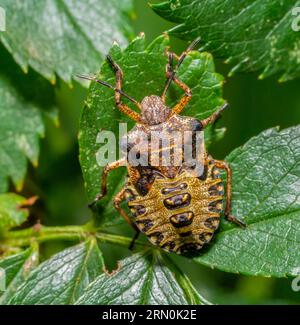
(180, 215)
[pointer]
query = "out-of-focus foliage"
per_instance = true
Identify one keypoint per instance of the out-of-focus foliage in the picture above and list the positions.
(250, 35)
(24, 103)
(64, 37)
(17, 268)
(11, 212)
(61, 279)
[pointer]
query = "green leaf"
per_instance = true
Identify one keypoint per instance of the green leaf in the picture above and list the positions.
(144, 74)
(25, 100)
(142, 279)
(12, 213)
(266, 194)
(250, 35)
(61, 279)
(17, 268)
(64, 37)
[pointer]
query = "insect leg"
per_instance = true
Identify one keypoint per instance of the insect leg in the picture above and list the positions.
(186, 52)
(170, 71)
(215, 116)
(169, 74)
(223, 165)
(177, 109)
(107, 169)
(188, 94)
(117, 204)
(122, 107)
(135, 237)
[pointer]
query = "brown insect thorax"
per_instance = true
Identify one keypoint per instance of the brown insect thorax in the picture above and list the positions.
(175, 203)
(154, 111)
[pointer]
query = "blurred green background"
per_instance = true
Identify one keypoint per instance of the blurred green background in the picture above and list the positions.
(255, 106)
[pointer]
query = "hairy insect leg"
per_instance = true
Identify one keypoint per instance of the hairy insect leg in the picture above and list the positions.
(223, 165)
(171, 76)
(215, 116)
(108, 168)
(122, 107)
(119, 198)
(178, 108)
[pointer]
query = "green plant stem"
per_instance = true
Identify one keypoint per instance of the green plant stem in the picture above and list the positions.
(42, 234)
(119, 240)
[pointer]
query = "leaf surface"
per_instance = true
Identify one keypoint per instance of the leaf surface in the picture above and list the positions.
(141, 279)
(25, 101)
(64, 37)
(17, 268)
(61, 279)
(250, 35)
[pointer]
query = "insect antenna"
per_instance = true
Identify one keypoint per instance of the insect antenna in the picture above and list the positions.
(103, 83)
(180, 60)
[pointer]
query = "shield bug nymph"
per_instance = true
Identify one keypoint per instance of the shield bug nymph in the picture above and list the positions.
(175, 205)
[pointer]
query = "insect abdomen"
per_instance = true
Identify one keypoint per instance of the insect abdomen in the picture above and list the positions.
(180, 215)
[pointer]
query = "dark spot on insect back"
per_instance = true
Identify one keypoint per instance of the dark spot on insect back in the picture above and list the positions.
(203, 177)
(129, 195)
(215, 190)
(190, 249)
(146, 180)
(182, 219)
(157, 237)
(169, 246)
(177, 201)
(212, 223)
(143, 185)
(196, 125)
(146, 224)
(216, 206)
(205, 237)
(185, 234)
(140, 210)
(216, 173)
(137, 210)
(169, 190)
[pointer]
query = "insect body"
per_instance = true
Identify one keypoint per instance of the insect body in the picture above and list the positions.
(177, 207)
